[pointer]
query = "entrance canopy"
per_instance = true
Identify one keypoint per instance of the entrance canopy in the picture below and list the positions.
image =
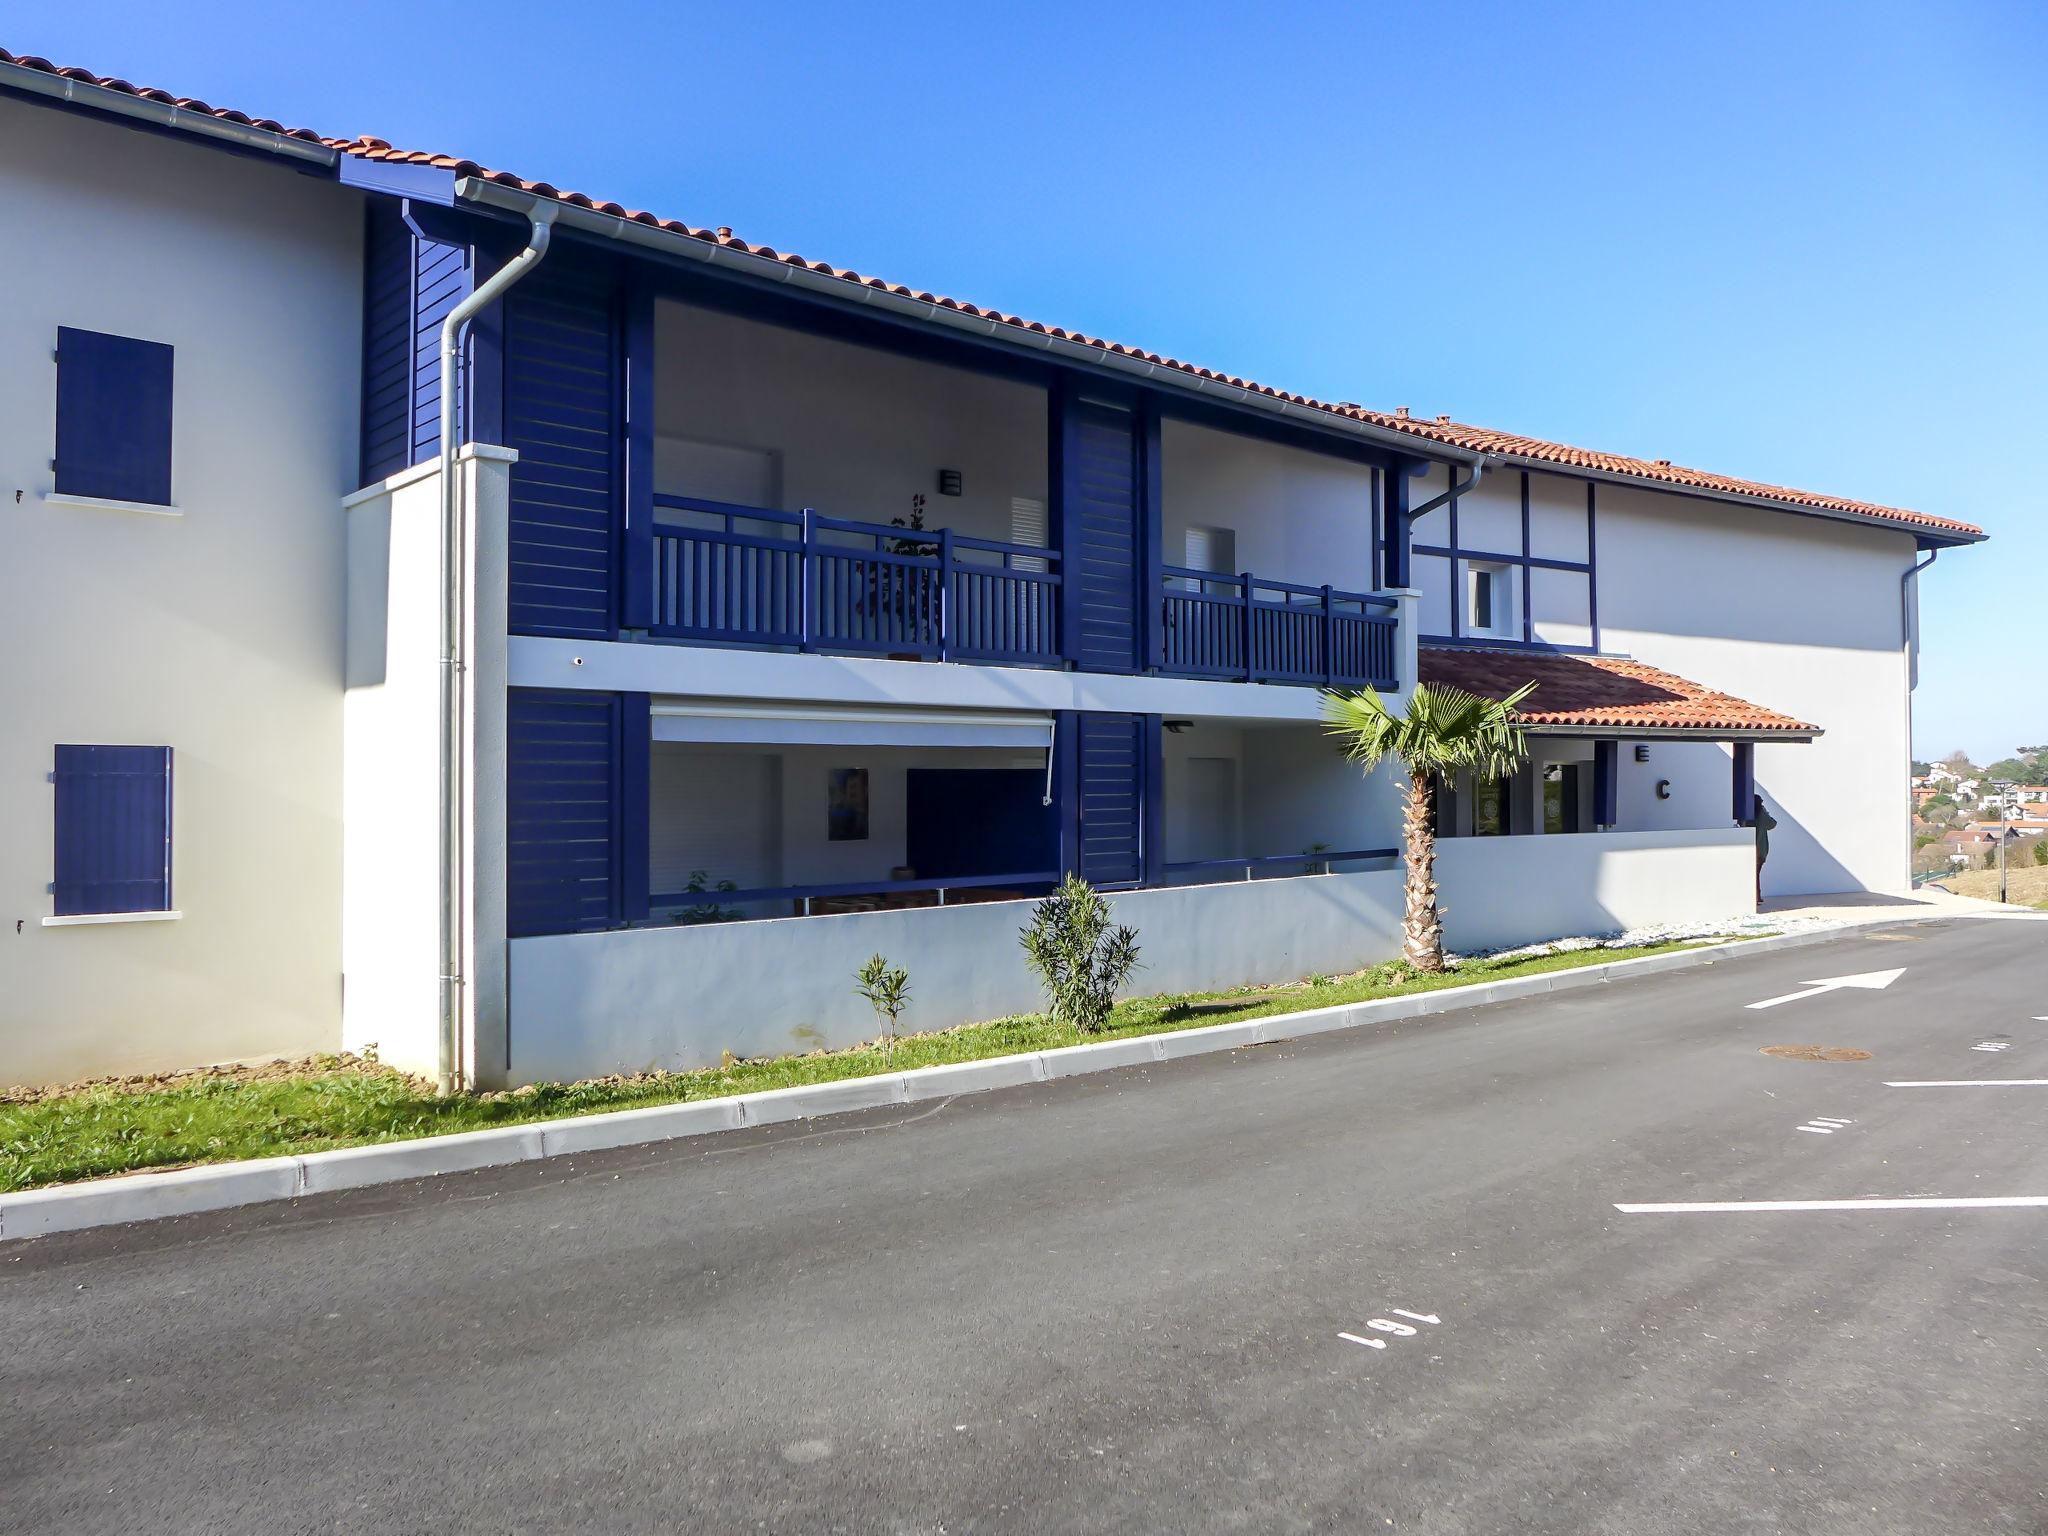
(1606, 696)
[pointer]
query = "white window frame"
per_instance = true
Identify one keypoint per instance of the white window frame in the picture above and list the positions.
(1507, 623)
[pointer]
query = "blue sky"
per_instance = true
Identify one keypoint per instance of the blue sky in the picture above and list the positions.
(1805, 244)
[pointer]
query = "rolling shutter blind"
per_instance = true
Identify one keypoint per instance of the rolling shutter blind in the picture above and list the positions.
(113, 417)
(1028, 526)
(113, 816)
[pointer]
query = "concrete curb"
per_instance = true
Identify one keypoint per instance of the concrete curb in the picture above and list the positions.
(187, 1191)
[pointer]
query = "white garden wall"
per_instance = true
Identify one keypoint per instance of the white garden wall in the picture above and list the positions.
(1499, 891)
(585, 1004)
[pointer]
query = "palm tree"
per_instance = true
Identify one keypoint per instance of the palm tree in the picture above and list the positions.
(1444, 730)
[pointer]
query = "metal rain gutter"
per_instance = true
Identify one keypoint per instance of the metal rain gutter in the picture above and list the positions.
(1738, 498)
(1668, 733)
(162, 114)
(476, 189)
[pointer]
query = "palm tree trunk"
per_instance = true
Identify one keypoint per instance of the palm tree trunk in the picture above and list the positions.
(1422, 941)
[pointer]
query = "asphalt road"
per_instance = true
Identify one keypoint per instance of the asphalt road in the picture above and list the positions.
(1116, 1303)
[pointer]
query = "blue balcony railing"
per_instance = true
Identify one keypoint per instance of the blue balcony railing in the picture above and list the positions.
(1257, 630)
(740, 575)
(752, 576)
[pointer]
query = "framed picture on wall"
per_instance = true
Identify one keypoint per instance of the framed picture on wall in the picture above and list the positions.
(846, 806)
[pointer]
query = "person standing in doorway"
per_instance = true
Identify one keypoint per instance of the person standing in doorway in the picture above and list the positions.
(1763, 821)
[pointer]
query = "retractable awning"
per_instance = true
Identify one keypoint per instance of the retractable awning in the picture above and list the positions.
(834, 725)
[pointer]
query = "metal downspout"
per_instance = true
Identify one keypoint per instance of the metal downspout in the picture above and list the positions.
(1456, 490)
(454, 659)
(1912, 650)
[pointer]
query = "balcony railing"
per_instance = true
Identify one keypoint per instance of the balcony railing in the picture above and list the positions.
(757, 577)
(752, 576)
(1257, 630)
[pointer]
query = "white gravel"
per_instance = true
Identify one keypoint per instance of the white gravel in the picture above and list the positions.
(1667, 933)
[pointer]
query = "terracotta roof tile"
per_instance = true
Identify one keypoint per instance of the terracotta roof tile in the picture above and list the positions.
(1441, 431)
(1609, 692)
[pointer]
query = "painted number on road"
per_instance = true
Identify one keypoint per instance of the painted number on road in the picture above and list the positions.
(1388, 1326)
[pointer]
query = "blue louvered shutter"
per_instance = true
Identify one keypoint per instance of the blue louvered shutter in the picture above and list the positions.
(563, 811)
(387, 343)
(563, 409)
(113, 818)
(442, 279)
(1102, 560)
(113, 417)
(1111, 789)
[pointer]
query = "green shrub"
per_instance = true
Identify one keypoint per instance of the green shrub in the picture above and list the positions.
(887, 991)
(1080, 959)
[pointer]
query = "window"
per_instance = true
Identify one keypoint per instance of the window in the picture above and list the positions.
(1490, 808)
(113, 418)
(1027, 527)
(1489, 600)
(1561, 798)
(113, 830)
(1212, 549)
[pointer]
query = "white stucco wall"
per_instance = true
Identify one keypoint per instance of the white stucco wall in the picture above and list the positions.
(391, 744)
(1799, 615)
(1297, 516)
(1498, 891)
(217, 632)
(584, 1004)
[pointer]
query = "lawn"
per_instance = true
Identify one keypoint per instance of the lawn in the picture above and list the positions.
(2026, 884)
(340, 1102)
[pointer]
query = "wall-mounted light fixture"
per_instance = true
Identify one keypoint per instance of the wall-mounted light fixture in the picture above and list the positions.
(949, 482)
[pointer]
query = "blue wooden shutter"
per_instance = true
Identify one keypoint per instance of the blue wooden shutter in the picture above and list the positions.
(1101, 548)
(575, 810)
(442, 279)
(387, 343)
(563, 409)
(113, 417)
(1112, 769)
(113, 816)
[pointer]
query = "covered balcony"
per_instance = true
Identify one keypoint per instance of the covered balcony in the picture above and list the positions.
(811, 494)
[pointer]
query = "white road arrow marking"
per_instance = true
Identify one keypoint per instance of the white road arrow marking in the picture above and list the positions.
(1873, 981)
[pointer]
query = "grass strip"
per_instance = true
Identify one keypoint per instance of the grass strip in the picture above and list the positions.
(343, 1102)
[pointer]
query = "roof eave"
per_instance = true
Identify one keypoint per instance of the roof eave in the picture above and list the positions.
(476, 189)
(1675, 732)
(1929, 537)
(162, 114)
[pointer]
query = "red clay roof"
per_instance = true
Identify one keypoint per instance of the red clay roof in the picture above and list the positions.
(1610, 693)
(1443, 430)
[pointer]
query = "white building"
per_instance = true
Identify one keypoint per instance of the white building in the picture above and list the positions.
(797, 616)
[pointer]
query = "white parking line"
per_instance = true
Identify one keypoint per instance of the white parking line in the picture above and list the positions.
(1978, 1082)
(1931, 1203)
